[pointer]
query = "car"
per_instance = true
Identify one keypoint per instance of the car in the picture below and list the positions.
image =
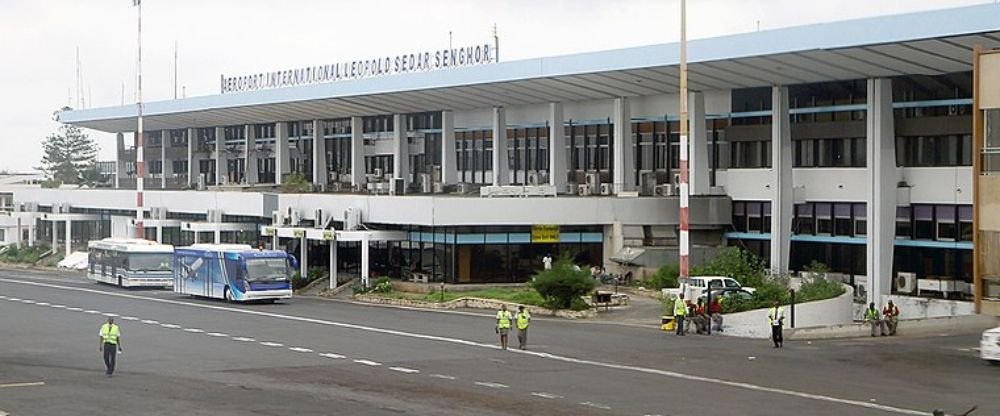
(725, 294)
(989, 346)
(695, 286)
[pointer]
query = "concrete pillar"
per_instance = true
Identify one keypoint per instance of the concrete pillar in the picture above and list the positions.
(320, 174)
(557, 148)
(159, 234)
(364, 262)
(164, 142)
(281, 165)
(400, 149)
(17, 238)
(449, 159)
(623, 175)
(119, 163)
(32, 229)
(303, 256)
(218, 236)
(221, 170)
(250, 155)
(55, 234)
(192, 167)
(274, 241)
(698, 168)
(358, 178)
(333, 264)
(782, 201)
(882, 179)
(501, 168)
(69, 237)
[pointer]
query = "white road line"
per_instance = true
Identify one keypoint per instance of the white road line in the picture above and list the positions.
(150, 322)
(632, 368)
(27, 301)
(57, 306)
(545, 395)
(217, 334)
(43, 304)
(596, 405)
(110, 315)
(444, 377)
(404, 370)
(491, 385)
(74, 309)
(194, 330)
(272, 344)
(299, 349)
(243, 339)
(3, 297)
(368, 363)
(170, 326)
(331, 355)
(13, 299)
(130, 318)
(92, 312)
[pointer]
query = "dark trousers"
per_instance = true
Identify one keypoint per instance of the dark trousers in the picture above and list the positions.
(110, 354)
(776, 335)
(679, 324)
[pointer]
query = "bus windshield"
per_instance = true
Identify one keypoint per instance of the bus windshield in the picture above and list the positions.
(264, 270)
(149, 261)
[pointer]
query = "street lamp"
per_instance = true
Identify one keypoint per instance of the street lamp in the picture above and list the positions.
(140, 166)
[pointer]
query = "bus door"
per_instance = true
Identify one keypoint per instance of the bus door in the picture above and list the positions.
(217, 279)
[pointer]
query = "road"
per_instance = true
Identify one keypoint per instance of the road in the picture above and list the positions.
(311, 356)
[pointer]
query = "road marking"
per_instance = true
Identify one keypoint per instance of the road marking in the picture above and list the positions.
(299, 349)
(596, 405)
(27, 301)
(458, 341)
(13, 299)
(217, 334)
(43, 304)
(404, 370)
(491, 385)
(74, 309)
(243, 339)
(92, 312)
(194, 330)
(272, 344)
(32, 384)
(443, 376)
(110, 315)
(150, 322)
(545, 395)
(130, 318)
(170, 326)
(58, 306)
(368, 363)
(3, 297)
(331, 355)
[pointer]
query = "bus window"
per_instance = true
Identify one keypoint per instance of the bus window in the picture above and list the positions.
(149, 261)
(264, 270)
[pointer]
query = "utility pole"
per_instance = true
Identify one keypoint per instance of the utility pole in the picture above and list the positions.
(140, 167)
(685, 239)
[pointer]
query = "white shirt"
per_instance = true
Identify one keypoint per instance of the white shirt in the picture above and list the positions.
(547, 261)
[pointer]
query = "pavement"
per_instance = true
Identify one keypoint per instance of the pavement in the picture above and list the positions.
(311, 356)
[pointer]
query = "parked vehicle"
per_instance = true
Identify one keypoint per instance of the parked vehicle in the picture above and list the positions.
(234, 272)
(989, 346)
(697, 286)
(130, 262)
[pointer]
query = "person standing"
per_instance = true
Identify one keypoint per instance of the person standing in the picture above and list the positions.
(110, 338)
(776, 319)
(503, 325)
(522, 319)
(890, 313)
(680, 310)
(547, 262)
(873, 317)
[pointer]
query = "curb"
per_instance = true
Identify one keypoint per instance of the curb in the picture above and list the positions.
(474, 303)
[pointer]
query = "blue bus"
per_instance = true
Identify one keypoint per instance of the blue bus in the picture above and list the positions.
(233, 272)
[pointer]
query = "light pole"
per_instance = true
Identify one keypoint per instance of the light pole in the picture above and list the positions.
(685, 241)
(140, 165)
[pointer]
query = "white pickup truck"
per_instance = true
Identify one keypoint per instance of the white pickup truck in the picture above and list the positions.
(696, 286)
(989, 346)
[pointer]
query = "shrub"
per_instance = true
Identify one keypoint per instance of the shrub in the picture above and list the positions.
(818, 289)
(51, 183)
(382, 285)
(736, 263)
(296, 182)
(312, 274)
(562, 284)
(665, 276)
(816, 267)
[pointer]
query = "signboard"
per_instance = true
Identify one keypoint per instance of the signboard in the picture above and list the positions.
(328, 235)
(544, 233)
(298, 233)
(366, 68)
(268, 231)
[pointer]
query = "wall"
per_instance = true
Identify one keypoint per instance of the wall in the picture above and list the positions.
(911, 307)
(753, 324)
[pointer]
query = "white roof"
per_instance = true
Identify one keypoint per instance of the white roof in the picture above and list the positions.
(131, 245)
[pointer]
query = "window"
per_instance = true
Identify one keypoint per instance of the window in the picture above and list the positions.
(767, 217)
(946, 227)
(965, 230)
(860, 220)
(804, 222)
(842, 224)
(180, 166)
(739, 217)
(754, 217)
(923, 221)
(824, 220)
(904, 228)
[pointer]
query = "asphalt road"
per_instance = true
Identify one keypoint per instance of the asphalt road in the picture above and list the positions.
(313, 356)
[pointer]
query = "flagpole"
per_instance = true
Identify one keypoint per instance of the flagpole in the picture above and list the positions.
(140, 166)
(685, 240)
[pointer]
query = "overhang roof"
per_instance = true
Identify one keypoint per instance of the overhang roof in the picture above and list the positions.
(926, 43)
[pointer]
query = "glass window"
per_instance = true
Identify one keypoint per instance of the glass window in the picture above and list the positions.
(842, 219)
(946, 227)
(965, 223)
(923, 216)
(804, 222)
(149, 261)
(259, 270)
(754, 217)
(767, 217)
(824, 221)
(860, 219)
(739, 217)
(904, 228)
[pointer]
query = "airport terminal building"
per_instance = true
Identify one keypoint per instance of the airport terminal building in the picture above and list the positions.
(847, 143)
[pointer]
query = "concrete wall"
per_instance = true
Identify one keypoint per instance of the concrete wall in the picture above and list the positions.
(753, 324)
(911, 307)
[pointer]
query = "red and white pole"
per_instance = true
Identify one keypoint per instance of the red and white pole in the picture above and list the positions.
(685, 241)
(140, 165)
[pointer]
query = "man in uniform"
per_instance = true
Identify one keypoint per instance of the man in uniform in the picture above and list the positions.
(873, 317)
(522, 318)
(110, 339)
(680, 310)
(776, 319)
(503, 325)
(891, 315)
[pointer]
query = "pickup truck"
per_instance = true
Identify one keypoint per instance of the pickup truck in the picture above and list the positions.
(696, 286)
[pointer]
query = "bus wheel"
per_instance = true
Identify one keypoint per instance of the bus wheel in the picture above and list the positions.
(227, 296)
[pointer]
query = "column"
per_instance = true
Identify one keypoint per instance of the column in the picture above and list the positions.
(221, 167)
(250, 155)
(698, 168)
(319, 155)
(333, 264)
(55, 233)
(192, 167)
(274, 240)
(364, 262)
(400, 149)
(303, 256)
(623, 175)
(358, 179)
(164, 142)
(17, 239)
(69, 237)
(782, 202)
(449, 159)
(159, 234)
(218, 236)
(557, 148)
(501, 169)
(281, 167)
(882, 179)
(32, 229)
(119, 169)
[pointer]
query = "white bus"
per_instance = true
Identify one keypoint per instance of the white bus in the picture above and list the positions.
(234, 272)
(130, 262)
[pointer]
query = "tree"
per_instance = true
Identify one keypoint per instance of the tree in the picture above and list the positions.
(69, 156)
(563, 285)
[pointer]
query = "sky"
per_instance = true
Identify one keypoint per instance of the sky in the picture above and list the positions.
(39, 42)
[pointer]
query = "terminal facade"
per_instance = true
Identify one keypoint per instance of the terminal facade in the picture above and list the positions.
(832, 144)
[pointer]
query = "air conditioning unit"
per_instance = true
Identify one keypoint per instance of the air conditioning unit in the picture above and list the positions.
(259, 146)
(606, 189)
(277, 219)
(292, 217)
(464, 188)
(906, 282)
(334, 187)
(214, 216)
(437, 188)
(583, 190)
(425, 183)
(201, 182)
(593, 179)
(398, 187)
(663, 190)
(318, 218)
(352, 219)
(62, 208)
(378, 173)
(158, 213)
(532, 178)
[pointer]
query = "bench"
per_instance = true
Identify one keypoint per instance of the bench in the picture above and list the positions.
(420, 277)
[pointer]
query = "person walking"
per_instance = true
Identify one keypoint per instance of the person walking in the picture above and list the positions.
(776, 319)
(522, 318)
(110, 338)
(680, 310)
(503, 325)
(890, 313)
(873, 317)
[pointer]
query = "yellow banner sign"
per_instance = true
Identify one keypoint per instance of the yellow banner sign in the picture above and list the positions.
(544, 233)
(268, 231)
(328, 235)
(298, 233)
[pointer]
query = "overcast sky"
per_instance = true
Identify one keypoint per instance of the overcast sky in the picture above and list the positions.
(38, 41)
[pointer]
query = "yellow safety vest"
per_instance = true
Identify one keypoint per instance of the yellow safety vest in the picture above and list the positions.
(680, 308)
(110, 333)
(503, 319)
(774, 316)
(522, 320)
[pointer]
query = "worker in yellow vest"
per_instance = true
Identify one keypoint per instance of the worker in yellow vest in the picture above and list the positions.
(522, 318)
(776, 319)
(111, 344)
(680, 310)
(503, 325)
